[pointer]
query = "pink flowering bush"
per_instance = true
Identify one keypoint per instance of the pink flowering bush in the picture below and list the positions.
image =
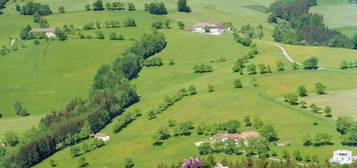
(193, 163)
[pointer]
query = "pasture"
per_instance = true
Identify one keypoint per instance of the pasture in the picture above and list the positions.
(47, 76)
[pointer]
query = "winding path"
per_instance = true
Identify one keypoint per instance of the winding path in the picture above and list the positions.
(286, 54)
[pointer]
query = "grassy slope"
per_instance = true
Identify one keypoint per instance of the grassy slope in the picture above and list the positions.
(155, 83)
(338, 14)
(224, 104)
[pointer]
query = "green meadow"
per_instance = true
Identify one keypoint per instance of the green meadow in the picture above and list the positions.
(46, 77)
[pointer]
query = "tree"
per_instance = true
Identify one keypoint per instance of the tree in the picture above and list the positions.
(320, 88)
(328, 111)
(192, 90)
(75, 151)
(302, 92)
(307, 141)
(302, 104)
(297, 155)
(113, 36)
(292, 99)
(24, 34)
(205, 148)
(100, 35)
(344, 64)
(131, 6)
(232, 126)
(129, 163)
(247, 121)
(262, 69)
(82, 162)
(10, 138)
(98, 5)
(20, 110)
(182, 6)
(86, 130)
(157, 25)
(322, 139)
(350, 138)
(311, 63)
(252, 69)
(53, 163)
(157, 8)
(61, 9)
(129, 22)
(280, 66)
(314, 108)
(237, 83)
(294, 66)
(181, 25)
(210, 88)
(167, 24)
(88, 7)
(269, 133)
(60, 34)
(343, 124)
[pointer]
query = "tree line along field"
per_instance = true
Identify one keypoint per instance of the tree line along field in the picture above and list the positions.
(69, 74)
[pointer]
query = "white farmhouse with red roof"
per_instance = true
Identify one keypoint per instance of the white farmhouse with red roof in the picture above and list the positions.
(215, 29)
(101, 136)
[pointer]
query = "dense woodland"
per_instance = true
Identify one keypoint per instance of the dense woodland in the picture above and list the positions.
(295, 25)
(111, 92)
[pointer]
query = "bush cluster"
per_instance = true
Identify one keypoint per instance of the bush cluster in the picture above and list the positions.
(202, 68)
(156, 8)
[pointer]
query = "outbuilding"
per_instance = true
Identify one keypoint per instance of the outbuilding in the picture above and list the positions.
(342, 157)
(101, 136)
(209, 28)
(49, 32)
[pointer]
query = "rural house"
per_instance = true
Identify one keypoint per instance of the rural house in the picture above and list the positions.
(49, 32)
(215, 29)
(342, 157)
(101, 136)
(236, 137)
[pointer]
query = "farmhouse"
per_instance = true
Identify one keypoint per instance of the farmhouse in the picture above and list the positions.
(101, 136)
(49, 32)
(342, 157)
(215, 29)
(236, 137)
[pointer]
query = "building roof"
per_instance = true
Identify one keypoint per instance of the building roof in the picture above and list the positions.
(45, 30)
(210, 25)
(243, 135)
(98, 135)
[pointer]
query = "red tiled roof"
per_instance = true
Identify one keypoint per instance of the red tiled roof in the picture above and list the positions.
(210, 25)
(243, 135)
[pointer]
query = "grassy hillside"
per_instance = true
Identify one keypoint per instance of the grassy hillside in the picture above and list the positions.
(223, 104)
(47, 76)
(338, 14)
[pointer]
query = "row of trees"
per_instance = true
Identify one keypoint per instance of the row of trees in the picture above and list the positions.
(110, 93)
(129, 22)
(163, 133)
(153, 61)
(120, 6)
(31, 8)
(297, 26)
(249, 31)
(171, 100)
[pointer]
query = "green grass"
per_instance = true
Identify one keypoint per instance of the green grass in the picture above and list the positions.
(338, 14)
(224, 104)
(328, 57)
(46, 77)
(342, 102)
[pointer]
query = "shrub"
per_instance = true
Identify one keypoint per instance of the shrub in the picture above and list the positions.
(202, 68)
(157, 8)
(157, 25)
(61, 9)
(153, 61)
(311, 63)
(320, 88)
(237, 83)
(129, 22)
